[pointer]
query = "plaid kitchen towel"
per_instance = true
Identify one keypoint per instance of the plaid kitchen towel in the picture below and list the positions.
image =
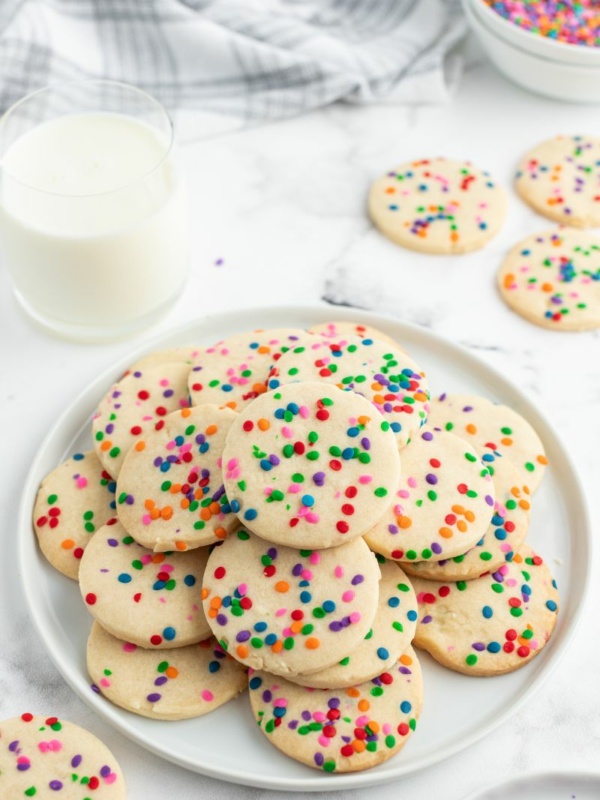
(245, 61)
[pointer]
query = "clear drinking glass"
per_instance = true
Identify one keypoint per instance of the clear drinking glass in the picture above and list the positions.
(93, 212)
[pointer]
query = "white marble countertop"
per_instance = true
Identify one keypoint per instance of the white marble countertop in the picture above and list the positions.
(283, 207)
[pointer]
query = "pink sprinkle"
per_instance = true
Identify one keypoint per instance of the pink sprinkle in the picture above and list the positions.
(280, 612)
(170, 445)
(362, 721)
(355, 617)
(281, 702)
(511, 582)
(364, 479)
(412, 482)
(146, 559)
(146, 519)
(232, 463)
(128, 647)
(105, 682)
(294, 488)
(319, 716)
(338, 571)
(387, 728)
(403, 494)
(81, 482)
(287, 432)
(503, 569)
(111, 778)
(288, 632)
(51, 746)
(307, 574)
(243, 588)
(267, 490)
(505, 547)
(164, 382)
(314, 557)
(323, 741)
(207, 695)
(166, 567)
(304, 412)
(312, 517)
(348, 596)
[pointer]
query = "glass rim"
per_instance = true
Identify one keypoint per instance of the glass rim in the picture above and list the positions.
(88, 82)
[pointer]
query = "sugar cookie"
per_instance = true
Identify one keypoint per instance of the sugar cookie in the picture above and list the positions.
(234, 372)
(340, 730)
(73, 501)
(134, 405)
(504, 536)
(383, 374)
(443, 505)
(560, 178)
(179, 683)
(390, 635)
(170, 489)
(438, 206)
(289, 611)
(490, 428)
(150, 599)
(46, 757)
(553, 279)
(491, 625)
(309, 465)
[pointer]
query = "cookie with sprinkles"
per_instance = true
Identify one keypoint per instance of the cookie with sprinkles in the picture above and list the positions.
(170, 491)
(504, 536)
(180, 683)
(340, 730)
(151, 599)
(172, 355)
(234, 372)
(383, 374)
(443, 504)
(492, 428)
(560, 178)
(491, 625)
(135, 405)
(390, 635)
(47, 757)
(289, 611)
(73, 501)
(553, 280)
(343, 329)
(309, 465)
(438, 206)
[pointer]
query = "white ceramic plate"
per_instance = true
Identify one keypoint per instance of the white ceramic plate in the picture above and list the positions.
(544, 786)
(458, 710)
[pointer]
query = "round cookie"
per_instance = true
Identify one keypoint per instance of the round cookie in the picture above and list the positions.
(560, 178)
(504, 536)
(46, 757)
(553, 280)
(490, 428)
(309, 465)
(438, 206)
(390, 635)
(234, 372)
(134, 405)
(289, 611)
(443, 504)
(150, 599)
(167, 684)
(341, 330)
(173, 355)
(73, 501)
(382, 374)
(491, 625)
(340, 730)
(170, 489)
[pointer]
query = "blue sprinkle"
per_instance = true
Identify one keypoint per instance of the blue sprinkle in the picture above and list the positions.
(494, 647)
(250, 514)
(189, 580)
(412, 615)
(394, 602)
(260, 627)
(551, 605)
(266, 465)
(305, 597)
(124, 578)
(255, 683)
(214, 666)
(383, 653)
(308, 500)
(270, 638)
(487, 612)
(329, 606)
(169, 633)
(405, 707)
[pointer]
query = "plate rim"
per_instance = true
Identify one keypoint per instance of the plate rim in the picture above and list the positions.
(534, 775)
(319, 313)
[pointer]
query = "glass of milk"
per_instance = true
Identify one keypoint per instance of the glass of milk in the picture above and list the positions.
(93, 214)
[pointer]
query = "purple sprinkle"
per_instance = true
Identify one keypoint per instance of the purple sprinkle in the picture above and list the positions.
(335, 626)
(56, 786)
(489, 500)
(334, 702)
(405, 671)
(105, 771)
(297, 570)
(267, 696)
(157, 461)
(94, 688)
(272, 552)
(154, 698)
(13, 745)
(437, 548)
(319, 759)
(306, 716)
(426, 619)
(219, 262)
(23, 767)
(498, 576)
(293, 724)
(168, 393)
(345, 622)
(366, 443)
(221, 619)
(319, 478)
(113, 542)
(428, 436)
(430, 478)
(346, 739)
(129, 500)
(479, 646)
(393, 528)
(357, 579)
(442, 397)
(110, 428)
(76, 761)
(242, 636)
(162, 679)
(388, 407)
(274, 460)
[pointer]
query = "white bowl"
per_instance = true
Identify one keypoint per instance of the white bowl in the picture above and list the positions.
(562, 71)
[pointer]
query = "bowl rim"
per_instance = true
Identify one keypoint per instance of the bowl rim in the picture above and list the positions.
(572, 54)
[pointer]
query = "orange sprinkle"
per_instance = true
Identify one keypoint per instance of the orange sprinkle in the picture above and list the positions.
(390, 190)
(242, 651)
(461, 525)
(353, 692)
(259, 388)
(185, 412)
(508, 280)
(263, 424)
(518, 558)
(158, 558)
(404, 522)
(106, 445)
(506, 441)
(374, 726)
(296, 626)
(205, 593)
(445, 532)
(214, 507)
(542, 460)
(179, 545)
(312, 643)
(458, 509)
(364, 420)
(216, 602)
(264, 349)
(149, 505)
(277, 646)
(205, 513)
(67, 544)
(184, 502)
(364, 705)
(166, 512)
(359, 746)
(155, 513)
(282, 586)
(231, 404)
(421, 395)
(171, 672)
(220, 533)
(454, 236)
(140, 446)
(525, 505)
(470, 516)
(547, 287)
(406, 660)
(470, 428)
(211, 430)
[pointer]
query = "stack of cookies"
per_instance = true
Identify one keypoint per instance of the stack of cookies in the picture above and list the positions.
(248, 516)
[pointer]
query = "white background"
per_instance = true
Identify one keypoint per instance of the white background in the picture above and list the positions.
(283, 206)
